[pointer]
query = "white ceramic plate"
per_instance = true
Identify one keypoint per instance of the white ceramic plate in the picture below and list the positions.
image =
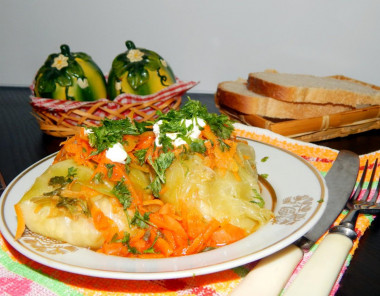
(298, 187)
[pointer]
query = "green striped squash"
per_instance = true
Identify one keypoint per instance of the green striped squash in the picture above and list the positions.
(70, 76)
(138, 71)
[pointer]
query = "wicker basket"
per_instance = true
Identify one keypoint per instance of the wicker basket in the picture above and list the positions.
(63, 118)
(318, 128)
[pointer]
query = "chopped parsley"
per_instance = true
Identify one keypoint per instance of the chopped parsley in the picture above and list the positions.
(73, 205)
(122, 193)
(140, 155)
(109, 167)
(174, 122)
(59, 182)
(155, 186)
(62, 181)
(257, 199)
(162, 163)
(198, 145)
(140, 220)
(110, 133)
(150, 250)
(98, 178)
(143, 126)
(220, 125)
(113, 131)
(223, 145)
(125, 241)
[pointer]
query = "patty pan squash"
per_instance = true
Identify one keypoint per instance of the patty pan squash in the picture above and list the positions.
(138, 71)
(70, 76)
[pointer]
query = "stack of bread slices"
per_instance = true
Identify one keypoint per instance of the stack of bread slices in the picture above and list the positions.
(294, 96)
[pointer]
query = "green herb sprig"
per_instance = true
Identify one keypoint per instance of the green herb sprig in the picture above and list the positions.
(110, 133)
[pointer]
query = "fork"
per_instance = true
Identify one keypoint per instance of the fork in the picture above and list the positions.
(360, 204)
(338, 243)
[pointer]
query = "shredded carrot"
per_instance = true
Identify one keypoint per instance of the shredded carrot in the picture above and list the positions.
(167, 209)
(117, 249)
(155, 201)
(200, 242)
(146, 140)
(131, 142)
(163, 189)
(227, 234)
(140, 167)
(169, 223)
(169, 237)
(195, 225)
(163, 247)
(167, 232)
(20, 222)
(208, 134)
(150, 256)
(103, 224)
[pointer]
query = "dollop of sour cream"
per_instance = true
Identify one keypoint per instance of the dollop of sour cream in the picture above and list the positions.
(88, 131)
(117, 153)
(193, 133)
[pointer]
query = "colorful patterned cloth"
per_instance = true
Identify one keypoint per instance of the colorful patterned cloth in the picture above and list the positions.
(22, 276)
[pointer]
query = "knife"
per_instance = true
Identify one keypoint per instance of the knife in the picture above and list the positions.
(272, 273)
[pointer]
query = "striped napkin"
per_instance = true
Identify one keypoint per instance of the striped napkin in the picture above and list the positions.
(21, 276)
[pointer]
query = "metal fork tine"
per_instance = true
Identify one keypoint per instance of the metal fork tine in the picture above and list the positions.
(377, 190)
(355, 206)
(367, 192)
(376, 194)
(361, 182)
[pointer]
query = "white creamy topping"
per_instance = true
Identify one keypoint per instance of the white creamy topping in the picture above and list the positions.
(117, 153)
(88, 131)
(177, 141)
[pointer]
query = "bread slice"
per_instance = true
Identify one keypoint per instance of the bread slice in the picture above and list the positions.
(312, 89)
(235, 95)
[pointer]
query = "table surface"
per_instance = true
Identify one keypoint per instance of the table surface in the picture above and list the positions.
(22, 144)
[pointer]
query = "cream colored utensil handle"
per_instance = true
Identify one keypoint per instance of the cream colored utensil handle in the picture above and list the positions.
(319, 274)
(271, 274)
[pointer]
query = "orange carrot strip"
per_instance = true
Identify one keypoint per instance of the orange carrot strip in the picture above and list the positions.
(164, 188)
(131, 142)
(208, 134)
(149, 256)
(146, 140)
(167, 209)
(195, 225)
(116, 249)
(139, 167)
(20, 222)
(163, 247)
(174, 225)
(155, 201)
(200, 241)
(169, 237)
(181, 245)
(169, 223)
(227, 234)
(103, 224)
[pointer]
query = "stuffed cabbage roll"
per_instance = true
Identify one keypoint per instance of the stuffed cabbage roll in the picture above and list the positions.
(218, 194)
(178, 185)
